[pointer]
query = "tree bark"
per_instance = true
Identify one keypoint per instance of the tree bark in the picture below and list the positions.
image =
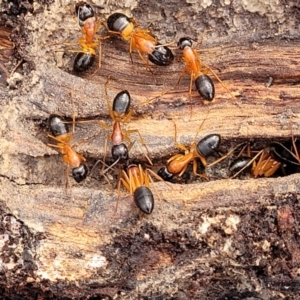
(226, 238)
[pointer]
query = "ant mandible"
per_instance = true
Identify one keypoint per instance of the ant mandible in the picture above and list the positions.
(178, 163)
(89, 26)
(140, 40)
(60, 133)
(198, 70)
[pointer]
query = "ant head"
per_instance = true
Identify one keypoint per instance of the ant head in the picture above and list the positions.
(119, 152)
(209, 144)
(83, 11)
(161, 56)
(57, 126)
(117, 22)
(184, 42)
(83, 61)
(165, 174)
(121, 103)
(80, 173)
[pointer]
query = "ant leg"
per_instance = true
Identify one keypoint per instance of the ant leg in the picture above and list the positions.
(198, 130)
(295, 147)
(208, 69)
(248, 164)
(54, 146)
(156, 192)
(111, 113)
(130, 50)
(68, 183)
(73, 110)
(147, 65)
(100, 55)
(198, 174)
(289, 151)
(228, 154)
(158, 178)
(105, 152)
(126, 132)
(126, 182)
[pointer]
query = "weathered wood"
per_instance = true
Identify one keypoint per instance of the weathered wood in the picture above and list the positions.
(205, 240)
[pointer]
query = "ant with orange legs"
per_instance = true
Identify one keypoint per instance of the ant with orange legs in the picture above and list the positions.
(137, 181)
(140, 40)
(197, 70)
(266, 165)
(120, 112)
(89, 40)
(60, 134)
(178, 163)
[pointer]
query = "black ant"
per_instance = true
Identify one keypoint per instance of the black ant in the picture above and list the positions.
(178, 163)
(89, 26)
(140, 40)
(198, 70)
(60, 133)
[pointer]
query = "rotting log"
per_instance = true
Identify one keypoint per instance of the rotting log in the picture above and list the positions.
(205, 240)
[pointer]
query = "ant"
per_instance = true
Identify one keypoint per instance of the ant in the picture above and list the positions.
(198, 70)
(120, 112)
(140, 40)
(89, 26)
(60, 133)
(266, 165)
(136, 181)
(178, 163)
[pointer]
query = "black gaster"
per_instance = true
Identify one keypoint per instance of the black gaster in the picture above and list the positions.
(239, 164)
(161, 56)
(80, 173)
(120, 152)
(165, 174)
(83, 11)
(57, 126)
(121, 103)
(117, 22)
(144, 199)
(83, 61)
(209, 144)
(205, 87)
